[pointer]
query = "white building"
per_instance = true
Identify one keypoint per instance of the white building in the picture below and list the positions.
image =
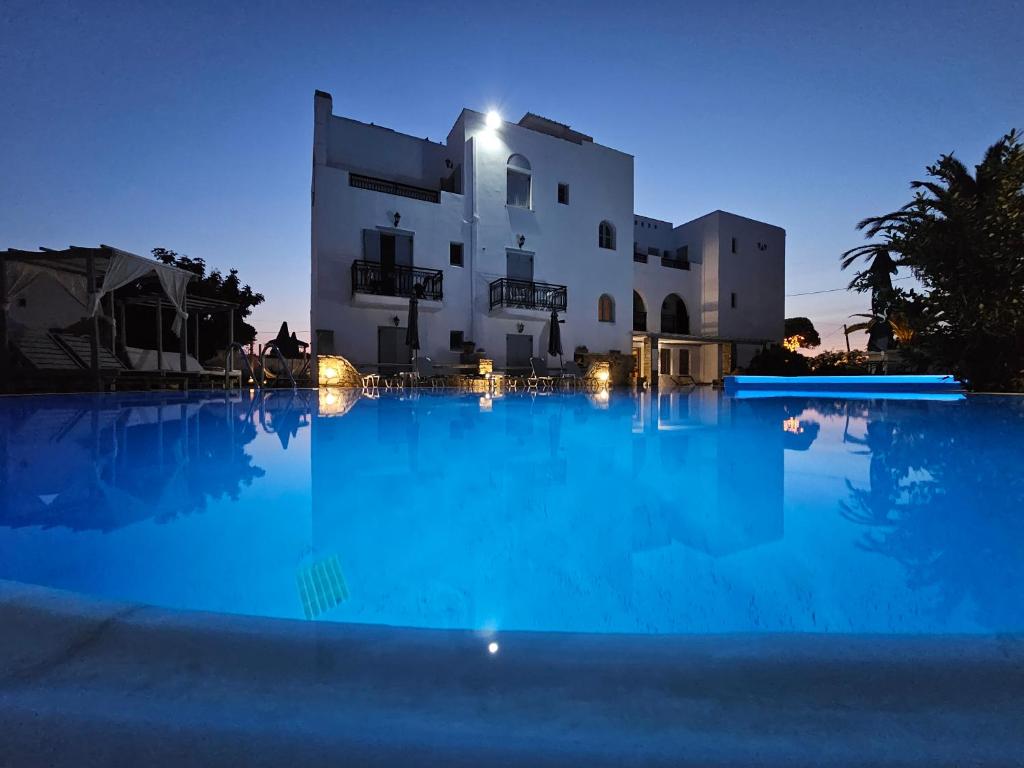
(502, 223)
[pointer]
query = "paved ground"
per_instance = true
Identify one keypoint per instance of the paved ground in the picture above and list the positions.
(86, 683)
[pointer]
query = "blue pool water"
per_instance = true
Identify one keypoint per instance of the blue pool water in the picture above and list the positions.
(678, 513)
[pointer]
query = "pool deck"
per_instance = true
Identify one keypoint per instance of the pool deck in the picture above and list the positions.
(88, 682)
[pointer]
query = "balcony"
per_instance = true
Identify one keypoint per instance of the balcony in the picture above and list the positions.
(667, 261)
(639, 257)
(639, 320)
(526, 294)
(393, 188)
(371, 277)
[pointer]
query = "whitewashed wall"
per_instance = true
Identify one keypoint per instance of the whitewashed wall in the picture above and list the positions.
(562, 238)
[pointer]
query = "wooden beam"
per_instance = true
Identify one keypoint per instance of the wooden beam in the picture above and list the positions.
(94, 337)
(183, 345)
(121, 329)
(160, 336)
(5, 353)
(113, 324)
(229, 358)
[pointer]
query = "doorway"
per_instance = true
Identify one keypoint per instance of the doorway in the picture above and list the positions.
(393, 354)
(518, 351)
(519, 266)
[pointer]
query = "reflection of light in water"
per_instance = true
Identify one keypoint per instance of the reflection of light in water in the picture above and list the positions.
(792, 425)
(337, 401)
(492, 647)
(485, 403)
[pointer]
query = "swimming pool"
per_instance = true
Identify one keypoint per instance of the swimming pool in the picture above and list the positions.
(690, 513)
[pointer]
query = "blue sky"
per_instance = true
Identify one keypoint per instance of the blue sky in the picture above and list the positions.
(189, 125)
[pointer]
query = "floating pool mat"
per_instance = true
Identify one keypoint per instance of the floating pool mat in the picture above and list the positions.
(321, 586)
(908, 384)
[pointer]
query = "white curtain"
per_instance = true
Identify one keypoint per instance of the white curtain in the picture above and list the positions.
(125, 268)
(20, 275)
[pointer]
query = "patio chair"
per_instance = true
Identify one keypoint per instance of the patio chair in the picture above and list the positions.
(539, 376)
(572, 374)
(425, 374)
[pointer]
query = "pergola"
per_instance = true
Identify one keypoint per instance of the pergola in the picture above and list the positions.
(90, 275)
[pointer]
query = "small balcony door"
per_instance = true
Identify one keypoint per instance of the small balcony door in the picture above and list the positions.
(392, 252)
(519, 266)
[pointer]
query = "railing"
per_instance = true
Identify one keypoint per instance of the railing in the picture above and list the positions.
(674, 324)
(393, 188)
(526, 294)
(373, 277)
(675, 263)
(639, 320)
(285, 365)
(640, 258)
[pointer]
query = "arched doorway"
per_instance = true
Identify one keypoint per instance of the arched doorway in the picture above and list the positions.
(639, 313)
(674, 318)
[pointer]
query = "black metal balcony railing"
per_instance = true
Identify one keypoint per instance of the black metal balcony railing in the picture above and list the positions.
(526, 294)
(675, 263)
(373, 277)
(639, 320)
(639, 257)
(393, 188)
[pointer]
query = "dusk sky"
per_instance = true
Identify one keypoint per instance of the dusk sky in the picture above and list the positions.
(189, 125)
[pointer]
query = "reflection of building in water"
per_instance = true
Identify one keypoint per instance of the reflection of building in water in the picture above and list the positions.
(726, 458)
(445, 515)
(122, 459)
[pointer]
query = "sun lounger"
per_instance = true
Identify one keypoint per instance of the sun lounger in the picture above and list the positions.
(539, 376)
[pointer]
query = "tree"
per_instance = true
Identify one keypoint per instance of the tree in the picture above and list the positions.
(800, 332)
(962, 237)
(776, 360)
(213, 328)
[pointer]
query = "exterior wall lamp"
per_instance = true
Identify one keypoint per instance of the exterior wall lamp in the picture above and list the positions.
(521, 240)
(395, 320)
(397, 218)
(520, 327)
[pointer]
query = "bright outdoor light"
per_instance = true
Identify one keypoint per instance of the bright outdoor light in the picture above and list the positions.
(492, 647)
(602, 376)
(493, 119)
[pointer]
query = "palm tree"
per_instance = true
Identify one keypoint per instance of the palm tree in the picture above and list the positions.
(962, 237)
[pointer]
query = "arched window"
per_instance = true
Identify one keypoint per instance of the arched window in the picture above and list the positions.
(519, 175)
(606, 309)
(674, 318)
(606, 235)
(639, 313)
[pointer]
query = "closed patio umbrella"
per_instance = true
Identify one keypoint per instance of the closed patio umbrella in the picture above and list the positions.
(412, 333)
(555, 337)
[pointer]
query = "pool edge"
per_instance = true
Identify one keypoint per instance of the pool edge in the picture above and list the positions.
(119, 680)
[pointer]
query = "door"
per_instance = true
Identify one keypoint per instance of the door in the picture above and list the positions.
(393, 354)
(518, 351)
(684, 362)
(387, 264)
(519, 266)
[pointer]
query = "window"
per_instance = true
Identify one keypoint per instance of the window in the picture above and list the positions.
(684, 362)
(683, 254)
(606, 309)
(455, 341)
(653, 252)
(455, 254)
(606, 235)
(734, 245)
(563, 194)
(519, 176)
(665, 365)
(732, 300)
